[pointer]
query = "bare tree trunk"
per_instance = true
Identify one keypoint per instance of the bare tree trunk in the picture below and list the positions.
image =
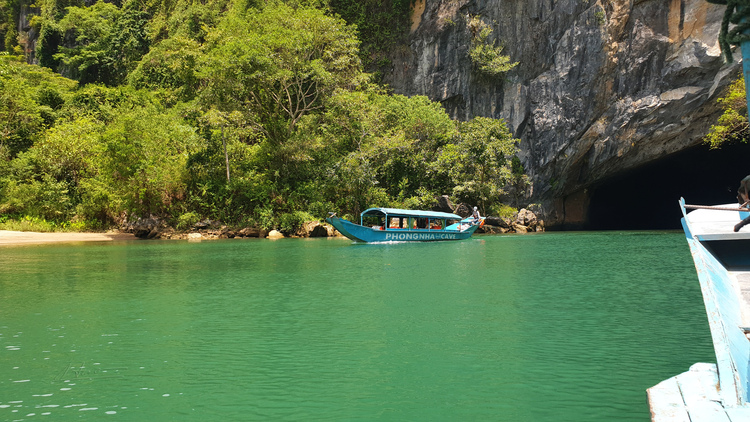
(226, 156)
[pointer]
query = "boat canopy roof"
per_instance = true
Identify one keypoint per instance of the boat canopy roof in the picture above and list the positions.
(396, 212)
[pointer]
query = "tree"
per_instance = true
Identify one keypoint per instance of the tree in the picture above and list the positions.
(479, 161)
(385, 145)
(20, 117)
(102, 43)
(169, 65)
(145, 152)
(486, 56)
(30, 100)
(278, 65)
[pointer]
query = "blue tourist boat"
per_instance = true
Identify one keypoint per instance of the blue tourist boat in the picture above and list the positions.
(721, 391)
(398, 225)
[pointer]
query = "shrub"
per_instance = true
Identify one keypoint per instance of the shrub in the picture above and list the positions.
(485, 55)
(291, 222)
(187, 220)
(732, 126)
(265, 217)
(45, 198)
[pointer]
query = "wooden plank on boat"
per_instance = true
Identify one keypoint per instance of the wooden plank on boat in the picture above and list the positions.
(703, 377)
(698, 388)
(743, 283)
(692, 396)
(666, 402)
(739, 414)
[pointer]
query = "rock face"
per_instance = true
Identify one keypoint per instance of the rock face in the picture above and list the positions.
(602, 86)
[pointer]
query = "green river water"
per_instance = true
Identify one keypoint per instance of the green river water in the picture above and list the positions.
(546, 327)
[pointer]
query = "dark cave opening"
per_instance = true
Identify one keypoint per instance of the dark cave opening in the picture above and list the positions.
(646, 198)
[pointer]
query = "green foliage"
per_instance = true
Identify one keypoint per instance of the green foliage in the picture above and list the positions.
(170, 65)
(266, 217)
(601, 17)
(108, 42)
(144, 158)
(385, 144)
(187, 220)
(503, 211)
(105, 104)
(40, 195)
(48, 43)
(732, 125)
(485, 55)
(275, 68)
(404, 151)
(290, 223)
(9, 11)
(479, 163)
(176, 94)
(30, 99)
(21, 120)
(38, 224)
(380, 26)
(277, 65)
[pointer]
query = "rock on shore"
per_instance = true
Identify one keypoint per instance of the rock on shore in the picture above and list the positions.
(156, 228)
(524, 221)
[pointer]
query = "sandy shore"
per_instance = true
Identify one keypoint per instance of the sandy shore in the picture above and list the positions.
(9, 238)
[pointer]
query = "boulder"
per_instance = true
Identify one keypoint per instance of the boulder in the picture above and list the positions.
(146, 228)
(525, 217)
(194, 237)
(249, 232)
(207, 224)
(464, 210)
(492, 229)
(524, 221)
(275, 234)
(443, 204)
(312, 229)
(497, 222)
(520, 228)
(319, 231)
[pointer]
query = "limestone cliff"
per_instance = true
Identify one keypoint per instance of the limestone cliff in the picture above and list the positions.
(602, 86)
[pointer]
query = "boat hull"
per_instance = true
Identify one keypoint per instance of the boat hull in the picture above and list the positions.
(722, 261)
(366, 234)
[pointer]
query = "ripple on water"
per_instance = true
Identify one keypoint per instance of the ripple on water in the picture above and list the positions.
(564, 328)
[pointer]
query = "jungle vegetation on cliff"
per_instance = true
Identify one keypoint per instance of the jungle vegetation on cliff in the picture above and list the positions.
(732, 125)
(247, 111)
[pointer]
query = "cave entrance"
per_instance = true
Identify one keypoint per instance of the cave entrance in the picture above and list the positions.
(646, 198)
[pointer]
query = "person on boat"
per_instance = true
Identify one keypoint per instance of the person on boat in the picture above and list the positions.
(743, 197)
(475, 215)
(743, 193)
